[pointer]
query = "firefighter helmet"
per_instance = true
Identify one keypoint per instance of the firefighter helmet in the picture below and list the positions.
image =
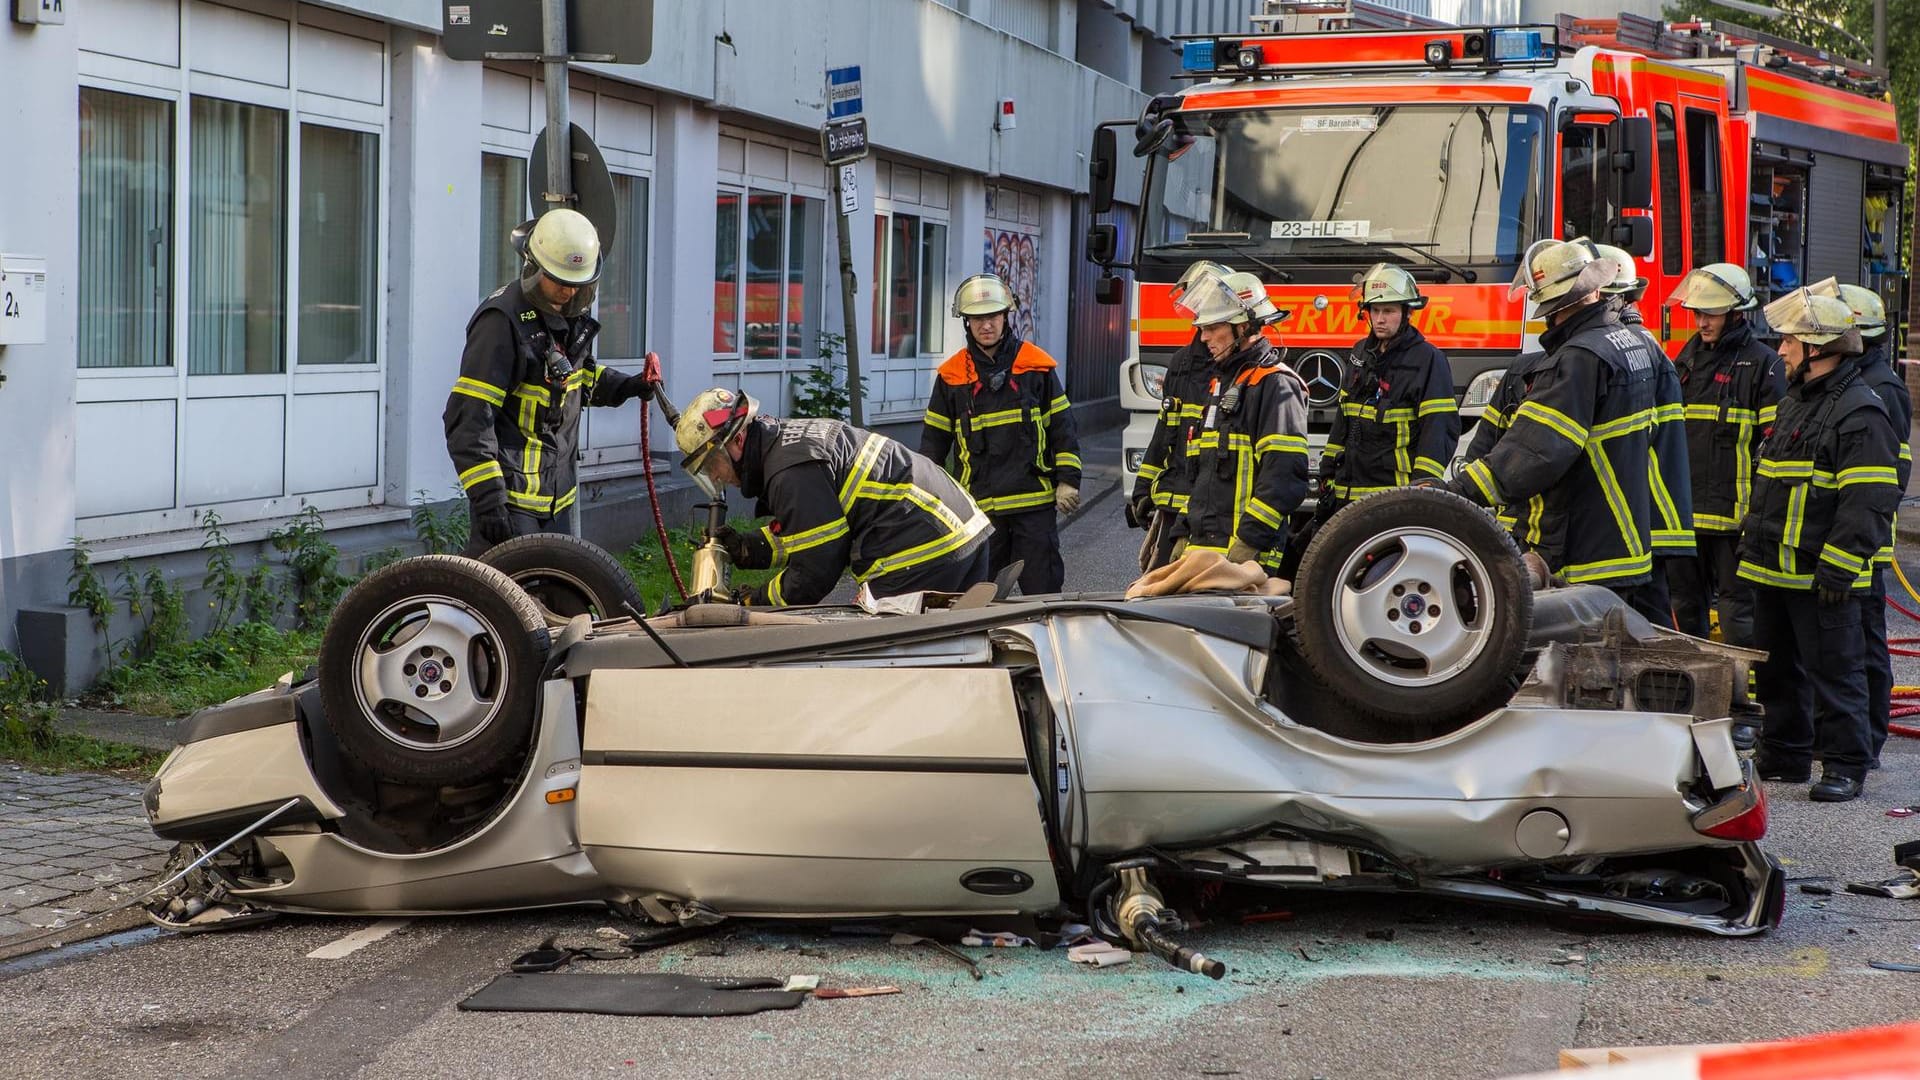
(1809, 317)
(565, 246)
(1715, 289)
(1386, 283)
(1253, 292)
(1559, 274)
(1203, 267)
(1625, 281)
(983, 294)
(715, 416)
(1869, 312)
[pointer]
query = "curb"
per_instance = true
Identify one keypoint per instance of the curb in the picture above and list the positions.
(126, 729)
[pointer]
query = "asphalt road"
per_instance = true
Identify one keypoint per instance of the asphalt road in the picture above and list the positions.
(1348, 988)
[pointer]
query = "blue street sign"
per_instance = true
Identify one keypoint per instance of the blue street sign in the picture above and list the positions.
(843, 92)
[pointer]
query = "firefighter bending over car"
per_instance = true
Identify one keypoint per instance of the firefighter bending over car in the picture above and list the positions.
(999, 411)
(1824, 493)
(1669, 481)
(513, 418)
(1246, 454)
(841, 498)
(1398, 420)
(1571, 464)
(1732, 384)
(1877, 370)
(1162, 484)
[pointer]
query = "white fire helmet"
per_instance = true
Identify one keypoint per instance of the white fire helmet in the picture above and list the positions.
(1715, 289)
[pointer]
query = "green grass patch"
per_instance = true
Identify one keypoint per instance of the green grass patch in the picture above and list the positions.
(182, 678)
(28, 734)
(649, 568)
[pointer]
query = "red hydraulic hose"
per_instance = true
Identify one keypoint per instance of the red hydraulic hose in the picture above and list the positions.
(653, 499)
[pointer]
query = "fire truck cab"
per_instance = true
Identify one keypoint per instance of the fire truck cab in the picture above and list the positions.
(1307, 157)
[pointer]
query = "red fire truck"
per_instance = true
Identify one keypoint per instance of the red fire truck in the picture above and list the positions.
(1306, 157)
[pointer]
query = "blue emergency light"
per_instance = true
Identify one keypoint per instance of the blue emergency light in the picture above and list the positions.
(1520, 45)
(1196, 55)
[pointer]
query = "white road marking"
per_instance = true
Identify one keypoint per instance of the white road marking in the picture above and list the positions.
(359, 939)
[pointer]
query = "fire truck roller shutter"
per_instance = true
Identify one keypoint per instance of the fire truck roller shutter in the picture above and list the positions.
(1835, 197)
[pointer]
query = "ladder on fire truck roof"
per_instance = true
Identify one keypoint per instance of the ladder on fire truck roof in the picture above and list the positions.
(1717, 39)
(1318, 16)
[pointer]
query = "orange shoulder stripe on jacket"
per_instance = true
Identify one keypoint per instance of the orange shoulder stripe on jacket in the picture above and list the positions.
(957, 370)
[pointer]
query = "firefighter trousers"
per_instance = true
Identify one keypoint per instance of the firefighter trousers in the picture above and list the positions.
(1879, 662)
(955, 573)
(1032, 537)
(1707, 581)
(1817, 647)
(1650, 599)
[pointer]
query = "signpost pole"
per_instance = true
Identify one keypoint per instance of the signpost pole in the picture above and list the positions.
(856, 407)
(553, 47)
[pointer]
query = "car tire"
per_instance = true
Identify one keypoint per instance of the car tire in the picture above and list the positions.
(430, 671)
(567, 575)
(1413, 607)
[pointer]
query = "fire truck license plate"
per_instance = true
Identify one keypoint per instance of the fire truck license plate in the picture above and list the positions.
(1303, 230)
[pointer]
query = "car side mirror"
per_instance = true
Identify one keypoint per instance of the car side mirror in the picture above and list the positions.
(1102, 240)
(1102, 166)
(1108, 289)
(1631, 158)
(1632, 234)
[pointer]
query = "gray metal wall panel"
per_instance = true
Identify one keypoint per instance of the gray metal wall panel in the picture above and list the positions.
(1834, 194)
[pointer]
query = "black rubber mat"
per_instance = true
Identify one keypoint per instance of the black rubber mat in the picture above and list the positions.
(644, 994)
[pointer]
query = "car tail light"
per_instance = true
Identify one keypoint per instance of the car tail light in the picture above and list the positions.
(1742, 815)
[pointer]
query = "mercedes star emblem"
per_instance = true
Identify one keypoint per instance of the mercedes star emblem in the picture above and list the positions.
(1323, 373)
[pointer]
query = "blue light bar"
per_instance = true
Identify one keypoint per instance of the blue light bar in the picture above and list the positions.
(1511, 45)
(1196, 56)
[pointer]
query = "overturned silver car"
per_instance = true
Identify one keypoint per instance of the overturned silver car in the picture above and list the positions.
(1413, 719)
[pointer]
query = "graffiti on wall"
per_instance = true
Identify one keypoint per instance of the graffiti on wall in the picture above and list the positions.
(1015, 257)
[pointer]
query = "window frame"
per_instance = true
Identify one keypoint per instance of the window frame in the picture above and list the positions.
(737, 368)
(179, 84)
(1670, 189)
(1695, 110)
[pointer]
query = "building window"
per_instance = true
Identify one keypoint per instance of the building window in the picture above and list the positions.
(774, 308)
(236, 280)
(910, 261)
(503, 205)
(1667, 155)
(125, 293)
(339, 245)
(1706, 207)
(623, 285)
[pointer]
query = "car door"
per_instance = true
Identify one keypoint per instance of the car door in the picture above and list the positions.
(814, 790)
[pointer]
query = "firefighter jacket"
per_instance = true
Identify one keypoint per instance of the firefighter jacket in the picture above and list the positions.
(843, 498)
(1825, 486)
(1572, 461)
(1883, 378)
(513, 418)
(1163, 466)
(1006, 424)
(1669, 478)
(1247, 455)
(1732, 388)
(1398, 419)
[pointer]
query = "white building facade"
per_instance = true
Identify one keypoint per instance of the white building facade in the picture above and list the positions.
(266, 223)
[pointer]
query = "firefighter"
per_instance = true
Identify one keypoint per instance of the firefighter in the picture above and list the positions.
(840, 497)
(999, 410)
(1823, 498)
(513, 418)
(1246, 455)
(1572, 461)
(1161, 484)
(1669, 480)
(1732, 384)
(1398, 419)
(1878, 372)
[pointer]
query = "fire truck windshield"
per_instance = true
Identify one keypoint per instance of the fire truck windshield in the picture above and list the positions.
(1441, 184)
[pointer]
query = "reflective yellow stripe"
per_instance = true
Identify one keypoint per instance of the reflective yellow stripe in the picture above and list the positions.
(1616, 499)
(1270, 444)
(927, 552)
(814, 537)
(1149, 473)
(1578, 573)
(1429, 466)
(1482, 478)
(1493, 416)
(1333, 449)
(1064, 460)
(1749, 571)
(1264, 514)
(776, 590)
(1768, 414)
(486, 392)
(1662, 498)
(1354, 491)
(1554, 420)
(1869, 474)
(1845, 560)
(480, 474)
(862, 465)
(543, 504)
(1536, 514)
(1625, 425)
(1059, 405)
(1000, 504)
(1435, 406)
(996, 419)
(564, 501)
(938, 422)
(533, 393)
(1670, 413)
(1714, 523)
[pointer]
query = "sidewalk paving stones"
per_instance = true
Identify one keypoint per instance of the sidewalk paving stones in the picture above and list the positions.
(71, 845)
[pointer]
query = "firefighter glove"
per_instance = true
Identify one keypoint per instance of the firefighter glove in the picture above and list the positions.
(490, 523)
(749, 551)
(1829, 596)
(1241, 551)
(1140, 511)
(1066, 498)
